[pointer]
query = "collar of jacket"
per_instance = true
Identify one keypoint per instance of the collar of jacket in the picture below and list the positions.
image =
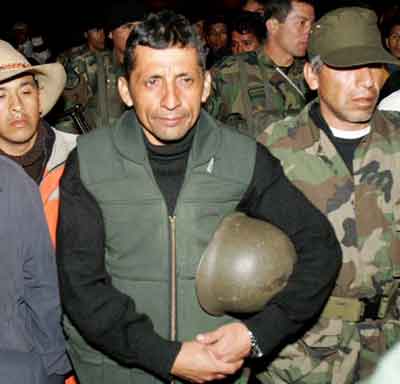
(265, 60)
(305, 138)
(128, 139)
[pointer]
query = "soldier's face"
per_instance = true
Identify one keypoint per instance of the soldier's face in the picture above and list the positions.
(96, 39)
(292, 35)
(217, 36)
(166, 89)
(347, 96)
(19, 115)
(244, 42)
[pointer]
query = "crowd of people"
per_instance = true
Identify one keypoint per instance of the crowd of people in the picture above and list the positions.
(121, 157)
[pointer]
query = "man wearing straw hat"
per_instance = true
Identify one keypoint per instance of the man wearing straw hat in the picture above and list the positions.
(27, 94)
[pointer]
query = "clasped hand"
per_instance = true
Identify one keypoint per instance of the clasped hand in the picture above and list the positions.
(213, 355)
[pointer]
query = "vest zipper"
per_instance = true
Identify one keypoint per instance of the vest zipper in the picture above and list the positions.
(172, 227)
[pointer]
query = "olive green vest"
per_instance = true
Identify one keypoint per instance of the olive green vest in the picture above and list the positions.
(141, 238)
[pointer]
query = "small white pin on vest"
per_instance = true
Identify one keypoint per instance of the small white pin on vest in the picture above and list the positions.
(210, 166)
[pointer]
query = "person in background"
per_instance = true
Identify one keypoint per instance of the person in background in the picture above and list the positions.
(217, 35)
(254, 6)
(81, 66)
(251, 91)
(247, 32)
(92, 74)
(391, 35)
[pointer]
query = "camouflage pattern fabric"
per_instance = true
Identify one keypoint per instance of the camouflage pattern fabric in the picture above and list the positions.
(365, 213)
(249, 92)
(102, 107)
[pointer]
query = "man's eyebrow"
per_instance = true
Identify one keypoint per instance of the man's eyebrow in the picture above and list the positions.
(28, 82)
(184, 74)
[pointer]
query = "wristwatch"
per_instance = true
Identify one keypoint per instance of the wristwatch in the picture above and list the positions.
(255, 350)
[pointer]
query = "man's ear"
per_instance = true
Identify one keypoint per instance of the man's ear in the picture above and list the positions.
(311, 76)
(272, 25)
(123, 89)
(206, 86)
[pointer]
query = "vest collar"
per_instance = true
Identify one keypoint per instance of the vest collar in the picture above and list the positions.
(129, 142)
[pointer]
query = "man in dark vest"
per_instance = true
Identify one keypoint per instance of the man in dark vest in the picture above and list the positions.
(139, 203)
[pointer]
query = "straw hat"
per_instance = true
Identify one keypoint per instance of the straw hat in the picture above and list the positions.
(50, 77)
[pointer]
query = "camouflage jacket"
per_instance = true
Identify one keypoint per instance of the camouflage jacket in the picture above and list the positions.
(364, 209)
(250, 92)
(95, 90)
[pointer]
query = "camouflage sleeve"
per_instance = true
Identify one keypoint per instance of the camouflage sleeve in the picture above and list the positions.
(274, 132)
(76, 87)
(213, 104)
(216, 103)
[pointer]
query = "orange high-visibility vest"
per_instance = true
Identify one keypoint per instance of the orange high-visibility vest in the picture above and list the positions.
(49, 186)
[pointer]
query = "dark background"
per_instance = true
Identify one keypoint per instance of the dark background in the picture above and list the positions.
(60, 22)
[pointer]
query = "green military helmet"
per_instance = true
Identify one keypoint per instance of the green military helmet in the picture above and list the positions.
(246, 263)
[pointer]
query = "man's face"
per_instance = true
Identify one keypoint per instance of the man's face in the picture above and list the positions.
(244, 42)
(96, 39)
(393, 41)
(254, 6)
(199, 25)
(166, 88)
(217, 36)
(19, 115)
(347, 96)
(292, 35)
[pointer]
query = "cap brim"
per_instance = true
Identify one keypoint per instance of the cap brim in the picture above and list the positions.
(51, 79)
(355, 56)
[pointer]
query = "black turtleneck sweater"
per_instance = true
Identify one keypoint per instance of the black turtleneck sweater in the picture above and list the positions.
(168, 163)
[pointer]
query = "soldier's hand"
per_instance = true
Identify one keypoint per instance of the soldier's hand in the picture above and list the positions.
(197, 364)
(229, 343)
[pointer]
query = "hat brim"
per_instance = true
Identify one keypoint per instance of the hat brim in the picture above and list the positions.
(51, 80)
(355, 56)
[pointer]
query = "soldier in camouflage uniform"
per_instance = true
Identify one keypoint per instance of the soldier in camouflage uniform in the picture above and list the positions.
(344, 155)
(252, 90)
(92, 74)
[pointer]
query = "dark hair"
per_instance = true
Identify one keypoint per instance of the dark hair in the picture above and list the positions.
(162, 30)
(242, 3)
(279, 9)
(249, 22)
(389, 25)
(211, 20)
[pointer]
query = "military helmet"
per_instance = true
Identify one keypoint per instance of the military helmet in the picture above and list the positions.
(246, 263)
